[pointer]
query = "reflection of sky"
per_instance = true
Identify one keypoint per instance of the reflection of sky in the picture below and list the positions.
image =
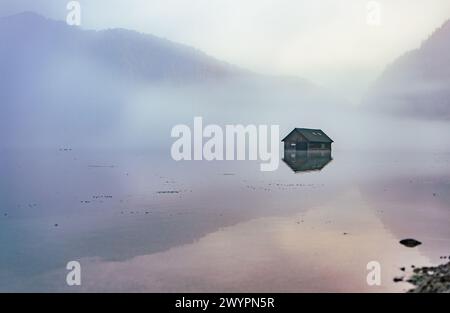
(229, 226)
(269, 254)
(326, 41)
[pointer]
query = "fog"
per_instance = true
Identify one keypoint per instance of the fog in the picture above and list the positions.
(108, 116)
(68, 87)
(326, 41)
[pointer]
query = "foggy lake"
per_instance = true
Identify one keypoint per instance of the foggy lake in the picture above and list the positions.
(107, 123)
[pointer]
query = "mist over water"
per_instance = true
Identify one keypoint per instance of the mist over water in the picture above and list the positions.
(144, 118)
(94, 181)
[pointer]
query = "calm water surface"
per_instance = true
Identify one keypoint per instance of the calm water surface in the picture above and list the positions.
(139, 221)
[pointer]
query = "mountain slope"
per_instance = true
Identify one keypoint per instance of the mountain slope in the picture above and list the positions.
(127, 53)
(418, 83)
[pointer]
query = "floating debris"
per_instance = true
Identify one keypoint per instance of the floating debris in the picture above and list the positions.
(410, 243)
(167, 191)
(100, 166)
(102, 197)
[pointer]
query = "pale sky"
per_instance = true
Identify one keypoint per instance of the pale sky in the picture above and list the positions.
(326, 41)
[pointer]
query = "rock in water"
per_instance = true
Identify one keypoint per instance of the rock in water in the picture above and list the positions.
(410, 243)
(431, 279)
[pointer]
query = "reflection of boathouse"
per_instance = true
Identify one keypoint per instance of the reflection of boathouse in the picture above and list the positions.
(306, 139)
(302, 161)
